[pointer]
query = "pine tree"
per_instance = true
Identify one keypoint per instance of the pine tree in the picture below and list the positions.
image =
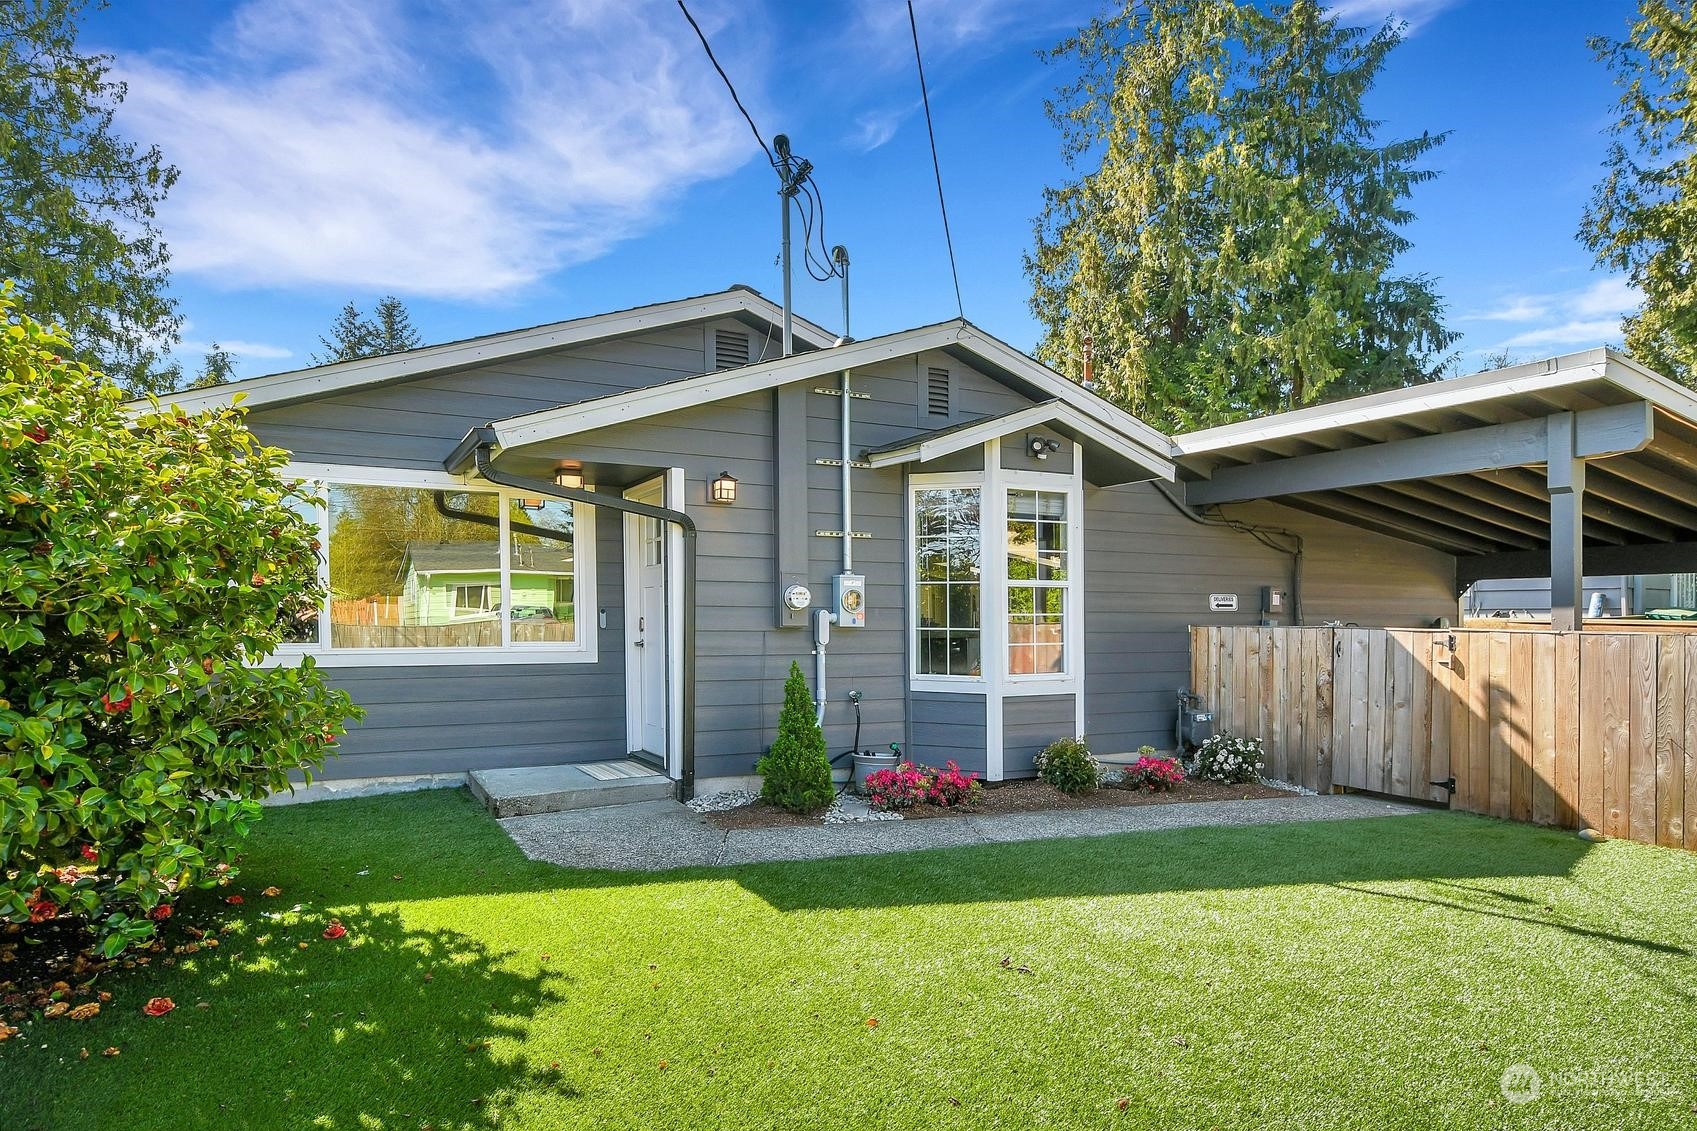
(77, 201)
(393, 327)
(1642, 218)
(218, 368)
(352, 336)
(797, 770)
(1229, 247)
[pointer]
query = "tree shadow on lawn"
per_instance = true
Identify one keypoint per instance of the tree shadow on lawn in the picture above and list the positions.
(388, 1026)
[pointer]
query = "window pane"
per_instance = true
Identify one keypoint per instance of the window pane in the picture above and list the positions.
(1037, 577)
(947, 612)
(544, 570)
(299, 623)
(396, 559)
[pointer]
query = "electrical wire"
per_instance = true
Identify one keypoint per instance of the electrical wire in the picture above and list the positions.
(942, 206)
(701, 35)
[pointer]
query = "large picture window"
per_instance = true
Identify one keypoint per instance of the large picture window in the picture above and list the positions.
(425, 569)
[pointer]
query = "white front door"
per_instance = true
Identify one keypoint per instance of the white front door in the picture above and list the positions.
(645, 625)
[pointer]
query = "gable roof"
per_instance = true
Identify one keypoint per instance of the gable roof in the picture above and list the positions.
(1143, 465)
(302, 384)
(956, 335)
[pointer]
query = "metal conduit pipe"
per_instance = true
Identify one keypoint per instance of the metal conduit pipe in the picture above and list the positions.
(484, 439)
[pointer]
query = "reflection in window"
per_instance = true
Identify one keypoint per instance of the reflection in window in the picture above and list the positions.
(947, 567)
(404, 568)
(543, 572)
(1037, 582)
(298, 623)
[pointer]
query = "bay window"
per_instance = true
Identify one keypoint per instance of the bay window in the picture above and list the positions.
(1013, 622)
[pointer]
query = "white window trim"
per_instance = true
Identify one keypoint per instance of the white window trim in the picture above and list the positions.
(1072, 608)
(973, 684)
(583, 650)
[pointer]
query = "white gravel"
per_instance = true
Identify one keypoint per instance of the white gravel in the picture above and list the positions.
(848, 809)
(1275, 783)
(722, 802)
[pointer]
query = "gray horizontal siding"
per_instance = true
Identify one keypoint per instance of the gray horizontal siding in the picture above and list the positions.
(948, 727)
(450, 719)
(1148, 574)
(1029, 723)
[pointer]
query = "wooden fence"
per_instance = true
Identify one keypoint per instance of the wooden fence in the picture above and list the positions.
(1579, 730)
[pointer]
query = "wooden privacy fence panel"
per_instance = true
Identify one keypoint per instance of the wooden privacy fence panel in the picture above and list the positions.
(1589, 729)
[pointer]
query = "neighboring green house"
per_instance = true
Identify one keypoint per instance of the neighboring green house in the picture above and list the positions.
(449, 582)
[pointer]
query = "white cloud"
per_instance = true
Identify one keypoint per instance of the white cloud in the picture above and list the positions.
(1371, 13)
(445, 150)
(1588, 316)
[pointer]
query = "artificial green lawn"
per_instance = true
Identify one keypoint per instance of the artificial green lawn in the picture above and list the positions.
(1369, 973)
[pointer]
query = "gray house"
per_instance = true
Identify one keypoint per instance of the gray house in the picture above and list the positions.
(1000, 557)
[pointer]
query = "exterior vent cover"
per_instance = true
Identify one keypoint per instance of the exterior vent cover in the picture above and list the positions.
(937, 392)
(730, 349)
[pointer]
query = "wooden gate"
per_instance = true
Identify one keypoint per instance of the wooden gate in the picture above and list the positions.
(1588, 729)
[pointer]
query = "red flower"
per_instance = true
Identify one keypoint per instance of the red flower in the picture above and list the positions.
(233, 899)
(117, 706)
(160, 913)
(41, 910)
(158, 1006)
(335, 930)
(38, 433)
(89, 852)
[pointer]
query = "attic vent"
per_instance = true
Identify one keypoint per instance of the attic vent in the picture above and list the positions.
(730, 349)
(937, 392)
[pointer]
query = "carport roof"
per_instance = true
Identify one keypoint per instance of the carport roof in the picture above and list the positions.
(1461, 465)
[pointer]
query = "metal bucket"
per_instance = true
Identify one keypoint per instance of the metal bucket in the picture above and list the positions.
(866, 761)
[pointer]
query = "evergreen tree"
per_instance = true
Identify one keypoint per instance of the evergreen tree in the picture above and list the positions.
(77, 202)
(219, 368)
(352, 336)
(1643, 216)
(797, 770)
(393, 327)
(1230, 246)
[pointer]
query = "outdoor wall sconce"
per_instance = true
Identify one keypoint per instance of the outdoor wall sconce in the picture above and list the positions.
(723, 489)
(567, 476)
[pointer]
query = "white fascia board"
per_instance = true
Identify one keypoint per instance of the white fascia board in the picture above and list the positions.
(1059, 387)
(993, 428)
(302, 384)
(1536, 377)
(640, 404)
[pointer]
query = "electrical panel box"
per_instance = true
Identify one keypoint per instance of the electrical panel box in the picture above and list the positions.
(850, 600)
(1272, 601)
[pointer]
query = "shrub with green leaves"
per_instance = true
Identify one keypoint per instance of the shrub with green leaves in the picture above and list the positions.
(146, 561)
(1226, 758)
(797, 770)
(1068, 765)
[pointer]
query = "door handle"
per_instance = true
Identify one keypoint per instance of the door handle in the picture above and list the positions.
(639, 644)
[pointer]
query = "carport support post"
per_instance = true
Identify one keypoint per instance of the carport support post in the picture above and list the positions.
(1565, 479)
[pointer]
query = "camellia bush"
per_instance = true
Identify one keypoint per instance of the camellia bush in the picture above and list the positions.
(146, 561)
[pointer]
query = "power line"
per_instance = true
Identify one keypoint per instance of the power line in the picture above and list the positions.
(699, 34)
(942, 206)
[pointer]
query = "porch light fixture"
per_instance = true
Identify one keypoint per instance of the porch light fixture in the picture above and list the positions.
(568, 476)
(723, 489)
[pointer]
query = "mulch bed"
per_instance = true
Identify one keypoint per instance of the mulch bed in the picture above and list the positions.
(1029, 796)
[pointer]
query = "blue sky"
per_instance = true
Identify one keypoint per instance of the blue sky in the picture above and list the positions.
(510, 163)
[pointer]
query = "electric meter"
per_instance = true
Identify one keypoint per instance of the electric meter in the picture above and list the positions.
(798, 597)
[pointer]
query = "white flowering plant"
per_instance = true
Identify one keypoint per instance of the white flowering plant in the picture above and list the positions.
(1227, 758)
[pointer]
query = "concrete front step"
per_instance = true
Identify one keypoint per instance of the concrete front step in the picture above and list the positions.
(529, 790)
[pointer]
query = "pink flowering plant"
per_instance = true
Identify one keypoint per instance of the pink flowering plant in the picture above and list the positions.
(1152, 773)
(907, 785)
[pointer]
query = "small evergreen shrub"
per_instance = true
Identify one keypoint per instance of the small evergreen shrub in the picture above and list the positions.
(1225, 758)
(797, 770)
(1068, 765)
(1152, 772)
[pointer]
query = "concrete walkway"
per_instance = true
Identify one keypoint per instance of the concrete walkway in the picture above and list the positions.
(654, 835)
